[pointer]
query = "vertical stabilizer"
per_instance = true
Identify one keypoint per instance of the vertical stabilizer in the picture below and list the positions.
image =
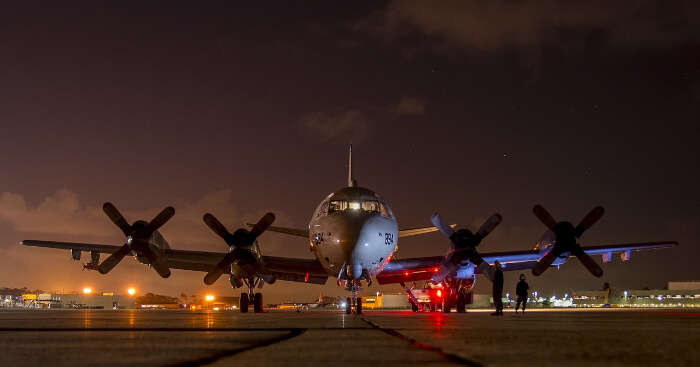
(350, 180)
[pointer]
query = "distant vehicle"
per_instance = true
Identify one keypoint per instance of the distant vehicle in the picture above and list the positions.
(353, 234)
(440, 297)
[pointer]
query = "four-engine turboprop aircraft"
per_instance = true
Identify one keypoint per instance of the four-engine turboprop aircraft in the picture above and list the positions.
(353, 235)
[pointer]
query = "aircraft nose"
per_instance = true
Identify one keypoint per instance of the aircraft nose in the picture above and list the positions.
(369, 235)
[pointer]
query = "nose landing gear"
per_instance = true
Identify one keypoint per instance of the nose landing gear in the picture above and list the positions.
(355, 300)
(252, 296)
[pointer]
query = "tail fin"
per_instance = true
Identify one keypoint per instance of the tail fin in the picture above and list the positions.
(351, 181)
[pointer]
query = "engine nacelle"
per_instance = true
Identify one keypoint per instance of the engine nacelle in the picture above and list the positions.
(465, 271)
(269, 279)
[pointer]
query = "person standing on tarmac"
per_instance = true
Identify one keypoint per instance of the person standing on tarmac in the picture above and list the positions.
(498, 289)
(521, 291)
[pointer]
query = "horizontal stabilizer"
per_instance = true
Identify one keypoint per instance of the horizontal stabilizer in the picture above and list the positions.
(286, 230)
(418, 231)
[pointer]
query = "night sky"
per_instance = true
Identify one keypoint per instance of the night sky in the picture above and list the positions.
(462, 107)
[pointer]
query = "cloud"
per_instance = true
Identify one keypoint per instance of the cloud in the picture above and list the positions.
(351, 125)
(63, 214)
(506, 23)
(410, 107)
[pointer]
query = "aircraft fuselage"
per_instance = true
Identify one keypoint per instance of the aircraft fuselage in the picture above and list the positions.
(353, 233)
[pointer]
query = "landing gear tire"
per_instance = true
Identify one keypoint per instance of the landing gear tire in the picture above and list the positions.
(461, 303)
(243, 303)
(348, 306)
(414, 307)
(358, 306)
(257, 303)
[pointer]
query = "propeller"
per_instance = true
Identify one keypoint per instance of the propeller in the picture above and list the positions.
(464, 243)
(239, 241)
(566, 239)
(137, 239)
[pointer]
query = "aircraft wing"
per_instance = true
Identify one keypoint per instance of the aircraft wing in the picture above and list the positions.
(103, 249)
(289, 269)
(422, 268)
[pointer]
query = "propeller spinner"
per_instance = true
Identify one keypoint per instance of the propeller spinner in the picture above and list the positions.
(238, 241)
(137, 239)
(566, 239)
(464, 243)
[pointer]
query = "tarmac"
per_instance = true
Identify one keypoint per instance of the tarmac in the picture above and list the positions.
(612, 337)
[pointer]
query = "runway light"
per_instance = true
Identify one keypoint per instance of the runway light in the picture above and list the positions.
(209, 297)
(87, 290)
(215, 309)
(131, 291)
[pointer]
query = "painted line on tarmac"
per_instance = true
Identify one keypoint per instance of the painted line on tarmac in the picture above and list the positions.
(450, 356)
(293, 332)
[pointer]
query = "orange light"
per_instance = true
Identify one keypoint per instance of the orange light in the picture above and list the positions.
(87, 290)
(209, 297)
(131, 291)
(439, 293)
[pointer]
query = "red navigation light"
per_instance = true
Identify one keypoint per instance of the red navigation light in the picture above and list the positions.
(405, 273)
(435, 270)
(306, 279)
(439, 293)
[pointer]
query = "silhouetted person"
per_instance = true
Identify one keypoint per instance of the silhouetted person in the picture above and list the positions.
(521, 291)
(498, 289)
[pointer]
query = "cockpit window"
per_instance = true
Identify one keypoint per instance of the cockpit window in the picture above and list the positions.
(370, 206)
(386, 211)
(337, 206)
(322, 209)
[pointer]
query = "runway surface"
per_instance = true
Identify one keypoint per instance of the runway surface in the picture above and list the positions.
(183, 338)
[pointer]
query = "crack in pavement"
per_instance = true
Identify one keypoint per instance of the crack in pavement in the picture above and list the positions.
(449, 356)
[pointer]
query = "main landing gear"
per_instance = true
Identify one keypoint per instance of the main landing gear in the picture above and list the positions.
(252, 297)
(355, 300)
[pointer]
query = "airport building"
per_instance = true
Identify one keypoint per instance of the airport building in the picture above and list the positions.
(677, 294)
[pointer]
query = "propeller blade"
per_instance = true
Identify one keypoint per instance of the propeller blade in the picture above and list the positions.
(589, 220)
(544, 263)
(543, 215)
(158, 263)
(441, 225)
(487, 270)
(489, 225)
(216, 226)
(116, 217)
(161, 218)
(262, 225)
(588, 262)
(113, 259)
(219, 270)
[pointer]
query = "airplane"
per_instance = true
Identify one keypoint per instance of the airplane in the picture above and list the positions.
(353, 235)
